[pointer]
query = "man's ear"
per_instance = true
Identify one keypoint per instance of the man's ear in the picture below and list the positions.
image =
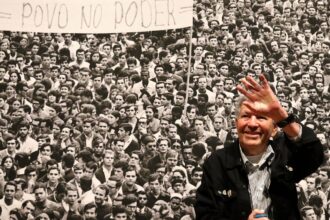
(275, 130)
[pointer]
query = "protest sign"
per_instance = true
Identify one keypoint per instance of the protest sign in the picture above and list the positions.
(94, 16)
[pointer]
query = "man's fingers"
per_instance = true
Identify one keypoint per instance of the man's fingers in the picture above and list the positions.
(249, 105)
(263, 80)
(252, 81)
(247, 85)
(250, 85)
(246, 93)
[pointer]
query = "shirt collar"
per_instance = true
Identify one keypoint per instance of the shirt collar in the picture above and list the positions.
(50, 187)
(266, 158)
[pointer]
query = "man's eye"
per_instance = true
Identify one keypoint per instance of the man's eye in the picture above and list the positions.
(261, 118)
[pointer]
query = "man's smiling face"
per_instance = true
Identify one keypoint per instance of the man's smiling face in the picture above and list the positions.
(253, 130)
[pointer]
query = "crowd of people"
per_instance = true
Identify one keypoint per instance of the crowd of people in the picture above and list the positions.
(114, 126)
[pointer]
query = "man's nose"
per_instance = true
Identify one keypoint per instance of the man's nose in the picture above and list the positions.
(252, 121)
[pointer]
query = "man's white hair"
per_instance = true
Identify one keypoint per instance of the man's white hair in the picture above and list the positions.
(241, 99)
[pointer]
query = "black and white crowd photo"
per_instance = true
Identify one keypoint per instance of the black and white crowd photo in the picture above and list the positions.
(129, 118)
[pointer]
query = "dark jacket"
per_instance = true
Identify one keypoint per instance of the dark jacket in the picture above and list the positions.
(132, 147)
(99, 174)
(153, 162)
(81, 139)
(224, 171)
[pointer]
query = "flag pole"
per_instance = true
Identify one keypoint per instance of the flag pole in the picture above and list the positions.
(189, 69)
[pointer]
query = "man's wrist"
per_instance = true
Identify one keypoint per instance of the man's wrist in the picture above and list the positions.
(290, 119)
(281, 115)
(298, 137)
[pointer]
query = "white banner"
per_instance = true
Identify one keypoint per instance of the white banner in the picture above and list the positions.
(94, 16)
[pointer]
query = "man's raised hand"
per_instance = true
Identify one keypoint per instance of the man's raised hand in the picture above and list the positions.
(261, 98)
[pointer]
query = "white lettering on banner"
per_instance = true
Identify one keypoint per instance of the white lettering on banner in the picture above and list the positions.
(94, 16)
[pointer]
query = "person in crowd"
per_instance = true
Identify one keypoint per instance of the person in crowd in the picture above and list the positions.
(308, 213)
(42, 202)
(89, 211)
(142, 210)
(70, 205)
(103, 207)
(11, 144)
(27, 144)
(27, 209)
(21, 195)
(125, 132)
(130, 203)
(129, 185)
(163, 145)
(188, 207)
(88, 135)
(120, 212)
(156, 192)
(8, 202)
(104, 172)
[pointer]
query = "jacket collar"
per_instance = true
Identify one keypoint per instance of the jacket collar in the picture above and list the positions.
(233, 155)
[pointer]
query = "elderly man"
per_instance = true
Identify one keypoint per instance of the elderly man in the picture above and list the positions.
(255, 177)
